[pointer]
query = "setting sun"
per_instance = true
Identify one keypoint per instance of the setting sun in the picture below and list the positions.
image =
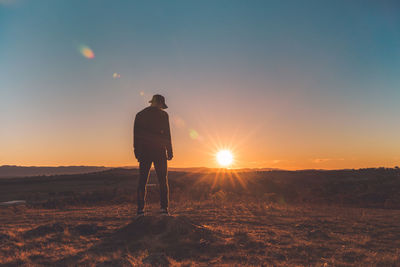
(224, 157)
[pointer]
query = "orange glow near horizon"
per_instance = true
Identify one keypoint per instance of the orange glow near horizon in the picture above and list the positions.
(186, 161)
(99, 146)
(86, 139)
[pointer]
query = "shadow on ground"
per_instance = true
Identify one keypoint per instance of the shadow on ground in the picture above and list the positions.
(163, 238)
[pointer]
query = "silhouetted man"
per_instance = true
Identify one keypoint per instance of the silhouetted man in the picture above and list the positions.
(152, 144)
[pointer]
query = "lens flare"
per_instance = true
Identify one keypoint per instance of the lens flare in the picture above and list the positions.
(224, 157)
(193, 134)
(86, 51)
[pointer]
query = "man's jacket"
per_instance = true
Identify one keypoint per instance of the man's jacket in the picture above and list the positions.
(151, 134)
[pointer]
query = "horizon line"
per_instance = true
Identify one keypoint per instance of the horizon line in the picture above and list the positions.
(199, 167)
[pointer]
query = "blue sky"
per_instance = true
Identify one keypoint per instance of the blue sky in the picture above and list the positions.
(299, 81)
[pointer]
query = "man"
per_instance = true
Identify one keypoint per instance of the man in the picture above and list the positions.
(152, 144)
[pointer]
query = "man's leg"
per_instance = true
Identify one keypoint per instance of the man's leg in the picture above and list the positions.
(144, 168)
(161, 170)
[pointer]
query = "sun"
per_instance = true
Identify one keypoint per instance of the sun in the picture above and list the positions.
(224, 157)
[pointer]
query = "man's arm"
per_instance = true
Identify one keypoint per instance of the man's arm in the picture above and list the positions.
(169, 143)
(136, 142)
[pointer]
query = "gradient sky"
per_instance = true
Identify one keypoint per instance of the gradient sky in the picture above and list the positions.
(284, 84)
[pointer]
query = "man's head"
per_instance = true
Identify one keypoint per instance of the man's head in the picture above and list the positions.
(158, 101)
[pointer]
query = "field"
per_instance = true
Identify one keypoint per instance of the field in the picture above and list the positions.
(273, 218)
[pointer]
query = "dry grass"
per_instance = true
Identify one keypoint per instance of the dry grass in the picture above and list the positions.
(237, 233)
(305, 218)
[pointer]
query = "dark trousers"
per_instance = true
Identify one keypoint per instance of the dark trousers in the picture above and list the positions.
(160, 165)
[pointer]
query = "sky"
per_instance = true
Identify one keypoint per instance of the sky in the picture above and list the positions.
(282, 84)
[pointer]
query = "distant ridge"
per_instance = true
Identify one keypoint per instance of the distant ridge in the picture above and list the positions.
(10, 171)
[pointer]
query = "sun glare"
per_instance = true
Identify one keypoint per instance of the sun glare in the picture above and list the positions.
(224, 158)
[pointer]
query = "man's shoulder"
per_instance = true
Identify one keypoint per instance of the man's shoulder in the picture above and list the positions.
(152, 110)
(164, 112)
(143, 111)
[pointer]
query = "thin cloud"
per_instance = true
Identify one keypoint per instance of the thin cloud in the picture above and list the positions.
(322, 160)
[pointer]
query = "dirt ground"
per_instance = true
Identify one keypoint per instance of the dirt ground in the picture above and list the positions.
(219, 233)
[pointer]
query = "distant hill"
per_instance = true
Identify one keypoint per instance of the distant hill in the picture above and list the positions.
(9, 171)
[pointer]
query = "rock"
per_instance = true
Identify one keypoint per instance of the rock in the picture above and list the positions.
(13, 203)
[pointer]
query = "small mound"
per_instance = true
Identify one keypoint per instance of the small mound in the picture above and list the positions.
(165, 226)
(45, 230)
(177, 237)
(87, 229)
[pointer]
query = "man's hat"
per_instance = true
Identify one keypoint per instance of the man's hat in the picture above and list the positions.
(159, 99)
